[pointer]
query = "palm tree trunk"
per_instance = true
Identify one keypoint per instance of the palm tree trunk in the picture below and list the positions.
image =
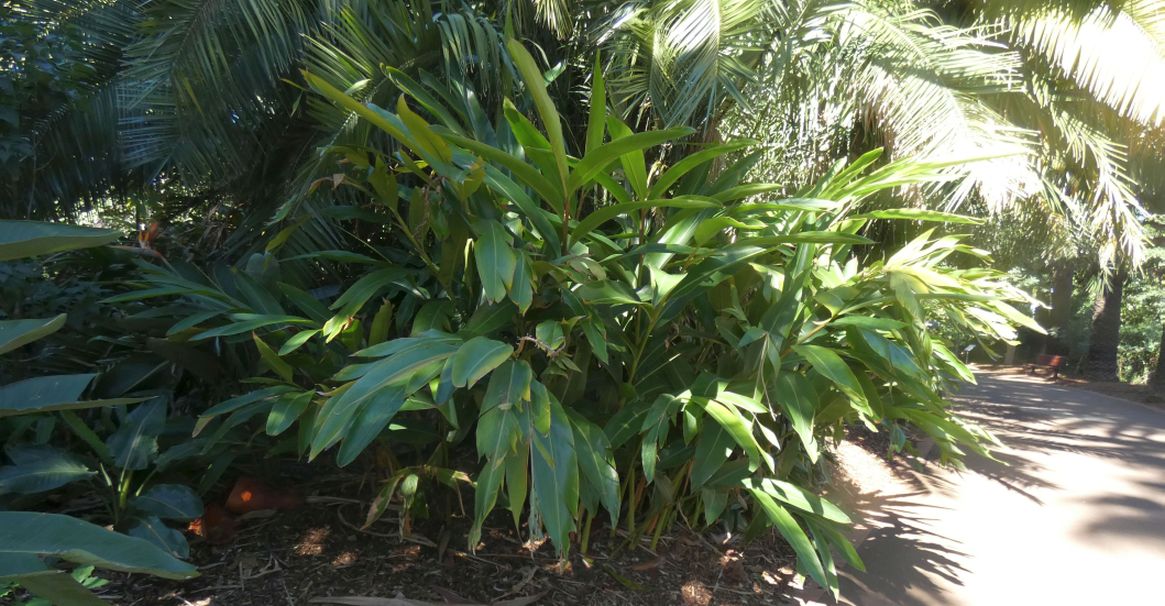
(1158, 377)
(1101, 362)
(1061, 313)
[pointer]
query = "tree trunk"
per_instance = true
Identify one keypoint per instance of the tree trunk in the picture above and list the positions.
(1060, 316)
(1158, 377)
(1106, 327)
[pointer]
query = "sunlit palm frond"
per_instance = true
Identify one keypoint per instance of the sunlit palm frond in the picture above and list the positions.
(1117, 55)
(925, 82)
(682, 58)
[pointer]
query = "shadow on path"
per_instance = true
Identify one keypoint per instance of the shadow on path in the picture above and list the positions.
(1082, 474)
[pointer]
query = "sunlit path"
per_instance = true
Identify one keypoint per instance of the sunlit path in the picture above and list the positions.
(1076, 516)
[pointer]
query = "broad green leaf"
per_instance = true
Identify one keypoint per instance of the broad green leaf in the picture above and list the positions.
(918, 214)
(596, 463)
(800, 498)
(597, 110)
(534, 144)
(381, 322)
(797, 400)
(509, 386)
(476, 358)
(18, 333)
(250, 324)
(169, 502)
(59, 588)
(395, 346)
(830, 365)
(740, 429)
(272, 359)
(522, 290)
(606, 213)
(49, 393)
(555, 475)
(536, 86)
(396, 370)
(715, 502)
(297, 340)
(779, 517)
(485, 496)
(40, 470)
(24, 239)
(286, 410)
(153, 529)
(713, 445)
(625, 424)
(525, 173)
(498, 432)
(495, 258)
(238, 402)
(607, 292)
(135, 443)
(517, 482)
(654, 429)
(870, 322)
(691, 162)
(369, 423)
(28, 534)
(628, 148)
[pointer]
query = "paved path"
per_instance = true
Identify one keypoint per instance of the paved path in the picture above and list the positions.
(1076, 517)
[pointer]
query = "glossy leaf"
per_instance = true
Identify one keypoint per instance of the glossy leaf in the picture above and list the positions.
(477, 358)
(18, 333)
(25, 535)
(169, 502)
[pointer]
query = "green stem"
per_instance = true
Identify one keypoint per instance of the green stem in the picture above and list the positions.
(586, 533)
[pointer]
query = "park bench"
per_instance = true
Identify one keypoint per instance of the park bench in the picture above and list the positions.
(1049, 362)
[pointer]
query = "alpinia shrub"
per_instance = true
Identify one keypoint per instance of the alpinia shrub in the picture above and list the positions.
(660, 342)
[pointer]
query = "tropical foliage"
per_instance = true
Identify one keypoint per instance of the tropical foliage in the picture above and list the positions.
(27, 538)
(637, 261)
(652, 344)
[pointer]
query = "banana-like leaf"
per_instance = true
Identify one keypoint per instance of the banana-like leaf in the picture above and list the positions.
(40, 469)
(24, 239)
(26, 537)
(153, 529)
(135, 443)
(169, 502)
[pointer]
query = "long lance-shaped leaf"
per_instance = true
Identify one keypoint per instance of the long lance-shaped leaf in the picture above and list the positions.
(53, 392)
(597, 113)
(24, 239)
(691, 162)
(606, 213)
(536, 85)
(602, 157)
(18, 333)
(526, 173)
(780, 518)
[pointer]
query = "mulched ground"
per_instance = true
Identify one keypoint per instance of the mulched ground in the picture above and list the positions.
(304, 555)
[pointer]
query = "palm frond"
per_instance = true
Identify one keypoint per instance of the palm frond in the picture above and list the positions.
(1117, 55)
(682, 58)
